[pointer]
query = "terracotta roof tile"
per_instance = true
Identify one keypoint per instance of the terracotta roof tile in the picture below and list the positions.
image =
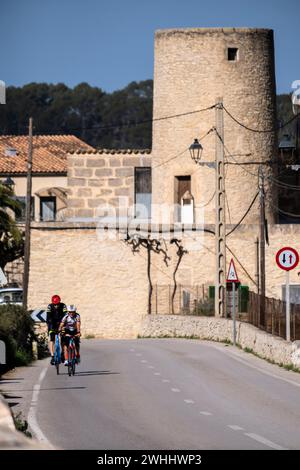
(49, 153)
(114, 151)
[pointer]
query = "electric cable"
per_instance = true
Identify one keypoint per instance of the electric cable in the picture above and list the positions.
(246, 213)
(261, 131)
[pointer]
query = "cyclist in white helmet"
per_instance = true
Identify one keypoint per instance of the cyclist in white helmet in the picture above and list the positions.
(70, 326)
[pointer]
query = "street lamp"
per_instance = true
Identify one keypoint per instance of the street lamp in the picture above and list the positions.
(9, 183)
(196, 150)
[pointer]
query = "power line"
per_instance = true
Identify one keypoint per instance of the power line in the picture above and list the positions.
(289, 214)
(226, 199)
(261, 131)
(246, 213)
(181, 153)
(283, 185)
(133, 123)
(231, 156)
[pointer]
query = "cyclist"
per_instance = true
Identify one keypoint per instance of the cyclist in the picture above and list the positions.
(70, 326)
(55, 312)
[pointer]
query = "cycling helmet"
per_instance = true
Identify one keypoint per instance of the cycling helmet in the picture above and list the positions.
(55, 299)
(71, 308)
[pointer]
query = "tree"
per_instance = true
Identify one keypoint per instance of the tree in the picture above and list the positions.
(105, 120)
(11, 239)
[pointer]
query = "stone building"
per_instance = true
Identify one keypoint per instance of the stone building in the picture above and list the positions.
(123, 247)
(49, 179)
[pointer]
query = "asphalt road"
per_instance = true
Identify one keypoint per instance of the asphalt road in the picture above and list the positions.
(160, 394)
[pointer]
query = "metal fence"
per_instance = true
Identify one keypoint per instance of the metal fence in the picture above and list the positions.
(199, 300)
(185, 300)
(274, 319)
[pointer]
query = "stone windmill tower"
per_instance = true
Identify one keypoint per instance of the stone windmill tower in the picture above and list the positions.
(193, 67)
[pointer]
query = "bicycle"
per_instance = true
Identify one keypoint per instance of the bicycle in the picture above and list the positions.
(57, 353)
(71, 356)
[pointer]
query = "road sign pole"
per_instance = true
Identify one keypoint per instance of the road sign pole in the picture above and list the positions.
(233, 314)
(288, 313)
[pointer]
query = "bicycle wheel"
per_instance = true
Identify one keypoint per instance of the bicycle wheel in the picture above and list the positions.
(69, 361)
(73, 367)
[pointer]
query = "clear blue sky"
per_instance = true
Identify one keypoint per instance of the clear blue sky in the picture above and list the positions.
(109, 43)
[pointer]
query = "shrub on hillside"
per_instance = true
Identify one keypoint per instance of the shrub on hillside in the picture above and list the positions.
(17, 332)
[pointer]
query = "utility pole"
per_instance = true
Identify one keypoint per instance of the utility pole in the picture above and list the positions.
(262, 247)
(27, 218)
(220, 230)
(257, 264)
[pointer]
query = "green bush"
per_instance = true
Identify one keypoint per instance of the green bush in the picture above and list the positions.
(42, 345)
(21, 424)
(17, 332)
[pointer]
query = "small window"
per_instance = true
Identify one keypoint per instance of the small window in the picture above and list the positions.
(182, 185)
(233, 53)
(47, 209)
(142, 192)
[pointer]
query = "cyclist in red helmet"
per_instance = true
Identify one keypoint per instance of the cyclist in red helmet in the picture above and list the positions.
(55, 312)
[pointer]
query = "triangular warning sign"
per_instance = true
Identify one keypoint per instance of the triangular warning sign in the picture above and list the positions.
(232, 274)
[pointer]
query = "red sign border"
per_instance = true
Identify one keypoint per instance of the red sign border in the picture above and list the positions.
(230, 280)
(295, 253)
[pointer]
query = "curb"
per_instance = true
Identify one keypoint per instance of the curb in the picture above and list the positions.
(10, 438)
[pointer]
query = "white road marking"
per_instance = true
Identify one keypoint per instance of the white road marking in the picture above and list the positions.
(151, 367)
(157, 373)
(131, 350)
(205, 413)
(264, 441)
(189, 402)
(175, 390)
(31, 418)
(165, 381)
(235, 427)
(138, 354)
(263, 371)
(143, 361)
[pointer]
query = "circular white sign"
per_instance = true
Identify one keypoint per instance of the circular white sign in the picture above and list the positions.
(287, 258)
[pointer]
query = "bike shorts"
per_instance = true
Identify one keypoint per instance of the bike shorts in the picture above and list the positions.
(52, 334)
(66, 339)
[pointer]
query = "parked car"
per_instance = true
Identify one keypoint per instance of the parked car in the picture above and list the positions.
(11, 295)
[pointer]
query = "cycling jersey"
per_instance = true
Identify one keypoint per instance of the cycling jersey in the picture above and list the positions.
(55, 315)
(70, 322)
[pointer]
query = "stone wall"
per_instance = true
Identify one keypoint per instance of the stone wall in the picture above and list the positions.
(219, 329)
(14, 271)
(102, 177)
(99, 272)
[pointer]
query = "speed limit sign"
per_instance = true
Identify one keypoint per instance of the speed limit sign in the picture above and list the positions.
(287, 258)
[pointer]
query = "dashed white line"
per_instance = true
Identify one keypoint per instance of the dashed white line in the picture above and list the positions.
(143, 361)
(264, 441)
(235, 427)
(175, 390)
(151, 367)
(189, 402)
(165, 381)
(205, 413)
(138, 354)
(157, 373)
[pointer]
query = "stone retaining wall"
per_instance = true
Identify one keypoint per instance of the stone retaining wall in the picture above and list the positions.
(265, 345)
(10, 438)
